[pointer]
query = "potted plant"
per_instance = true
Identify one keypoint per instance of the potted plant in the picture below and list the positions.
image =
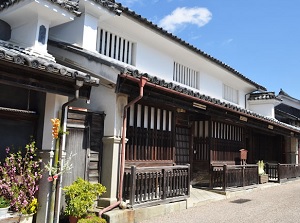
(263, 177)
(91, 218)
(80, 197)
(19, 179)
(4, 206)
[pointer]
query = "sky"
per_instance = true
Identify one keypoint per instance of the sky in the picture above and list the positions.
(258, 38)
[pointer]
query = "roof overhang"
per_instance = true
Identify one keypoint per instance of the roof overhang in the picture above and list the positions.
(40, 80)
(175, 96)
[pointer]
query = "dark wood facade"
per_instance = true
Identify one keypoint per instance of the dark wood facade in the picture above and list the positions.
(166, 128)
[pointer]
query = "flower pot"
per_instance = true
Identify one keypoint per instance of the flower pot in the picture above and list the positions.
(264, 178)
(26, 218)
(73, 219)
(3, 211)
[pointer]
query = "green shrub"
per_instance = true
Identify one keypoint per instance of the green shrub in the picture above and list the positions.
(91, 218)
(80, 196)
(4, 203)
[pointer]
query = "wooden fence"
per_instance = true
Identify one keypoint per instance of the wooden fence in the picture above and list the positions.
(145, 186)
(279, 172)
(226, 176)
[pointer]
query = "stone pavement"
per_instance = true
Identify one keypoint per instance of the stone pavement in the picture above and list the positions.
(198, 196)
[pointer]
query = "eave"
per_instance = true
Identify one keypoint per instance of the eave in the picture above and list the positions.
(187, 98)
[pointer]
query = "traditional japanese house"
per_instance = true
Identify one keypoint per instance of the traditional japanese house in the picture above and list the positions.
(288, 111)
(171, 110)
(182, 106)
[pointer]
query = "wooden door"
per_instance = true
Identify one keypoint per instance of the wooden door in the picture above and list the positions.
(84, 142)
(182, 139)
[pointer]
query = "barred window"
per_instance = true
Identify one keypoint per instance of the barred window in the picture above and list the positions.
(230, 94)
(114, 46)
(185, 75)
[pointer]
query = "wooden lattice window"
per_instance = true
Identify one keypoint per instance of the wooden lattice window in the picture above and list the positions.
(115, 46)
(150, 135)
(185, 75)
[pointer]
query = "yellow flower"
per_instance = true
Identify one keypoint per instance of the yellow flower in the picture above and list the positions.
(55, 127)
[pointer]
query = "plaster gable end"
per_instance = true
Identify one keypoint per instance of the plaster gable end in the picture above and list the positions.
(33, 35)
(71, 32)
(263, 107)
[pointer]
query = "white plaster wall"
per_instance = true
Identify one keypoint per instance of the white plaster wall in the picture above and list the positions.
(71, 32)
(52, 110)
(210, 85)
(154, 62)
(39, 46)
(89, 41)
(25, 34)
(265, 109)
(103, 99)
(156, 55)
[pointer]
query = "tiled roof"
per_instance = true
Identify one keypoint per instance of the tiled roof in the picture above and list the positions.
(262, 96)
(22, 56)
(71, 6)
(283, 93)
(156, 28)
(207, 99)
(111, 5)
(288, 110)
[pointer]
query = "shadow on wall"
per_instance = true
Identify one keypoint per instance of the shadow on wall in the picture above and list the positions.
(5, 33)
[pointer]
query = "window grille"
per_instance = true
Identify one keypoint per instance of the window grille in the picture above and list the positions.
(185, 75)
(114, 46)
(230, 94)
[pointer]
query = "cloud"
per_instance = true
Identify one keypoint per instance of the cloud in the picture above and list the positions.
(227, 42)
(182, 16)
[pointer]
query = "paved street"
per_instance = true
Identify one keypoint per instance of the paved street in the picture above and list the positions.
(270, 205)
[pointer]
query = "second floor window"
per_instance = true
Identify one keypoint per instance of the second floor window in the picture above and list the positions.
(114, 46)
(230, 94)
(185, 75)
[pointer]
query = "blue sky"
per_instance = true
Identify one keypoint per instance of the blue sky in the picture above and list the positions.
(258, 38)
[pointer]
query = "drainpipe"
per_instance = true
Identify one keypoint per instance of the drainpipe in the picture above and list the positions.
(142, 82)
(62, 153)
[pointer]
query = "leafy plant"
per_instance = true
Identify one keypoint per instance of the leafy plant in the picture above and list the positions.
(91, 218)
(80, 197)
(19, 179)
(4, 203)
(261, 167)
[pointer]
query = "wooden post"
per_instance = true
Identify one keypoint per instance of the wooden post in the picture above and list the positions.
(164, 186)
(132, 185)
(243, 175)
(278, 172)
(188, 179)
(224, 177)
(257, 175)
